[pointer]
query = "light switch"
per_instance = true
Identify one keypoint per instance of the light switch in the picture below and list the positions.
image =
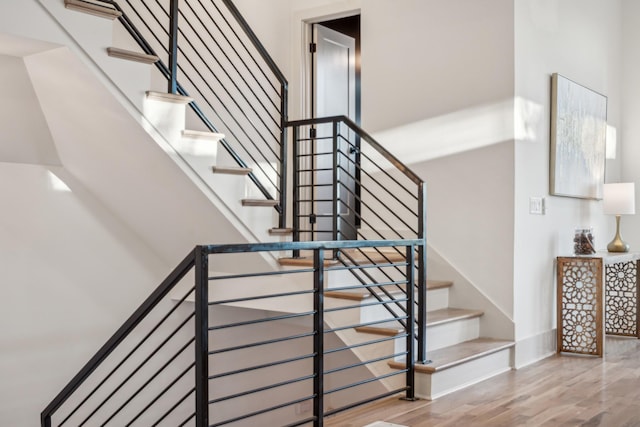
(536, 205)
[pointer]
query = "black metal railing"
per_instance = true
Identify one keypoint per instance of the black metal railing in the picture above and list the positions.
(261, 347)
(208, 52)
(346, 186)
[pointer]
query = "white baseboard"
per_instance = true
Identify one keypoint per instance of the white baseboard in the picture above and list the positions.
(535, 348)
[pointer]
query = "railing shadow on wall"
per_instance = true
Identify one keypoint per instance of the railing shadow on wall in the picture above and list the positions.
(204, 346)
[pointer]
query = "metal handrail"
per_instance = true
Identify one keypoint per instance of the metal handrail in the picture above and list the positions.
(198, 260)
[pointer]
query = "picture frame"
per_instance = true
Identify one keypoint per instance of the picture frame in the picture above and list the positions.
(578, 140)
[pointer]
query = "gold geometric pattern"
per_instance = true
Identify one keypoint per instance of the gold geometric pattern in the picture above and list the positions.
(579, 279)
(621, 299)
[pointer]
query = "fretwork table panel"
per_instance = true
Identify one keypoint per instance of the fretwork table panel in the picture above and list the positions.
(581, 293)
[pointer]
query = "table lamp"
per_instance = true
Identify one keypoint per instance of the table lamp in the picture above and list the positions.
(619, 199)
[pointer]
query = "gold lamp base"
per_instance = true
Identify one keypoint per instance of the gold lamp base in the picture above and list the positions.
(617, 244)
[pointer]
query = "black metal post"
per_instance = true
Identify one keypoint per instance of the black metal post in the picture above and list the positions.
(336, 208)
(296, 189)
(411, 336)
(173, 46)
(284, 160)
(318, 337)
(202, 337)
(422, 274)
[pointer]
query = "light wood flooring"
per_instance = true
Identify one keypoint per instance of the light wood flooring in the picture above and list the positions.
(562, 390)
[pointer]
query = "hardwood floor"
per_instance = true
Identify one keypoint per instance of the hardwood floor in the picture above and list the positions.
(562, 390)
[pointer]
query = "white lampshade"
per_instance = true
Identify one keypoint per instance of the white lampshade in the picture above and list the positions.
(619, 198)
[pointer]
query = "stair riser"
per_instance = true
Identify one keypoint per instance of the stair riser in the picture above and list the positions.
(436, 299)
(438, 384)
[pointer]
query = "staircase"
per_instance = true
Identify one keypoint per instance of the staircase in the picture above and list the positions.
(356, 290)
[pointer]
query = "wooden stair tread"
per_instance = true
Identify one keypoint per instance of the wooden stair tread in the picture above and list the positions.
(168, 97)
(231, 170)
(361, 294)
(304, 262)
(198, 134)
(92, 9)
(457, 354)
(116, 52)
(434, 318)
(280, 231)
(260, 202)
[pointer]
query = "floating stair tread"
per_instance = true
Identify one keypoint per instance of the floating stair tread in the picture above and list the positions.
(260, 202)
(280, 231)
(304, 262)
(92, 9)
(434, 318)
(231, 170)
(198, 134)
(458, 354)
(168, 97)
(130, 55)
(361, 294)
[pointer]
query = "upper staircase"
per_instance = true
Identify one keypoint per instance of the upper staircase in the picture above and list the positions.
(225, 116)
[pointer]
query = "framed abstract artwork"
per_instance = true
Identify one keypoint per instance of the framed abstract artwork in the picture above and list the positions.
(578, 139)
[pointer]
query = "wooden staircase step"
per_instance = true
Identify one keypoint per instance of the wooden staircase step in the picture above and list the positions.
(434, 318)
(168, 97)
(454, 355)
(231, 170)
(92, 9)
(304, 262)
(260, 202)
(130, 55)
(203, 135)
(361, 294)
(280, 231)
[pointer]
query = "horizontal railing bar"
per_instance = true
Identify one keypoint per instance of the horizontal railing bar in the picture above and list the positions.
(288, 246)
(257, 297)
(127, 356)
(261, 274)
(363, 382)
(167, 388)
(130, 324)
(357, 181)
(366, 362)
(314, 185)
(357, 306)
(360, 325)
(224, 52)
(368, 276)
(256, 42)
(302, 422)
(366, 343)
(366, 137)
(178, 403)
(362, 402)
(316, 138)
(147, 382)
(187, 420)
(315, 170)
(261, 343)
(259, 389)
(262, 366)
(368, 286)
(326, 153)
(224, 106)
(262, 411)
(263, 320)
(367, 266)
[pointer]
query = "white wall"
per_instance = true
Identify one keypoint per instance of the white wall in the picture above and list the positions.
(629, 137)
(580, 40)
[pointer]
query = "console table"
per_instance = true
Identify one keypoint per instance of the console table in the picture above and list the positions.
(597, 294)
